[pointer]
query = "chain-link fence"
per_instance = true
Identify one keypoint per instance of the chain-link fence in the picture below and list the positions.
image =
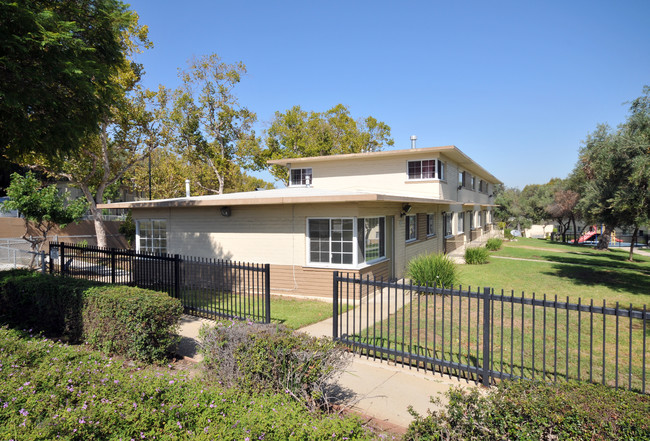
(17, 253)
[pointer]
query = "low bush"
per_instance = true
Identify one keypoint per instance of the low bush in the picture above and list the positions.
(433, 270)
(272, 358)
(134, 322)
(508, 235)
(50, 391)
(494, 244)
(524, 410)
(50, 304)
(122, 320)
(476, 255)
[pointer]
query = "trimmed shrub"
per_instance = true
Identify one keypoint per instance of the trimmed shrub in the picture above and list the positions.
(262, 358)
(50, 304)
(476, 255)
(432, 270)
(494, 244)
(123, 320)
(537, 411)
(134, 322)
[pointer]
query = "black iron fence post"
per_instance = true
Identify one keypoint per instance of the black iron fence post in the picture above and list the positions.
(113, 253)
(62, 257)
(267, 293)
(486, 336)
(177, 276)
(335, 299)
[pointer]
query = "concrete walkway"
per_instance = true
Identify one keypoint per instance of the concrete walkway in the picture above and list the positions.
(378, 391)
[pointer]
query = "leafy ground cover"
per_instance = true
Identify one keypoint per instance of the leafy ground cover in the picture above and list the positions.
(537, 411)
(49, 390)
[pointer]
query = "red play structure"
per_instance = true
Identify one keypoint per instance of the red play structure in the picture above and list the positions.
(592, 234)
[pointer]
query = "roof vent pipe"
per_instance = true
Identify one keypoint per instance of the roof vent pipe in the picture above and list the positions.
(413, 139)
(187, 188)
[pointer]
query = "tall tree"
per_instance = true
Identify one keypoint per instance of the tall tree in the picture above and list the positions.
(510, 208)
(42, 208)
(613, 167)
(297, 133)
(127, 131)
(56, 61)
(563, 210)
(209, 126)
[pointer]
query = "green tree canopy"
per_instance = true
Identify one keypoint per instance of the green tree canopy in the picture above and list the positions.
(56, 63)
(614, 172)
(44, 207)
(297, 133)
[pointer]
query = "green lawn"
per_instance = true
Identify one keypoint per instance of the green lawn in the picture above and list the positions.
(293, 313)
(534, 342)
(565, 270)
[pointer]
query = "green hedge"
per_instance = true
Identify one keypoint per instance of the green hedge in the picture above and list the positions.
(433, 270)
(525, 410)
(122, 320)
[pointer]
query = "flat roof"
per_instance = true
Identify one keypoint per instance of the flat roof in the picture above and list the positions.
(279, 196)
(450, 151)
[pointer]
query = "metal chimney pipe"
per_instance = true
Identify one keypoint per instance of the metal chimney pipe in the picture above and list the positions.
(187, 188)
(413, 139)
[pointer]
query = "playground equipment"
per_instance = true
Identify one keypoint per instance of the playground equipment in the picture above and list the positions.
(593, 233)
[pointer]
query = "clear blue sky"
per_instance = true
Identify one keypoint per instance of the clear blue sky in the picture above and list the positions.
(516, 85)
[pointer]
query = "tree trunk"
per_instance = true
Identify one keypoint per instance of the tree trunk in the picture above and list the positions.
(633, 241)
(575, 231)
(605, 238)
(96, 214)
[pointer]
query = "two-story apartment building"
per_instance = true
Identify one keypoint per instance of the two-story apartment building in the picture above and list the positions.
(365, 213)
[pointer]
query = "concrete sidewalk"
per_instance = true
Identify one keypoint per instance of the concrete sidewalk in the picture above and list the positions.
(376, 390)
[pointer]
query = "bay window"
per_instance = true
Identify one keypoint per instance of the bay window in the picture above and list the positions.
(344, 242)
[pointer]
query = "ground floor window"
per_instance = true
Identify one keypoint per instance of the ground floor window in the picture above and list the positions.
(461, 222)
(336, 241)
(480, 219)
(446, 224)
(411, 230)
(151, 236)
(471, 219)
(431, 224)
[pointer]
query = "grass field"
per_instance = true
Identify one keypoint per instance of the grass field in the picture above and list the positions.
(564, 270)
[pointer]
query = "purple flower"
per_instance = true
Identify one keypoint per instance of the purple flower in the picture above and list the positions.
(23, 412)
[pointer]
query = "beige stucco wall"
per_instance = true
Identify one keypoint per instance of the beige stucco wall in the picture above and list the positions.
(277, 234)
(389, 175)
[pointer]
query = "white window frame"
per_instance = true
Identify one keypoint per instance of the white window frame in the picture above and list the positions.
(304, 173)
(441, 170)
(420, 178)
(356, 261)
(410, 218)
(138, 237)
(461, 222)
(431, 224)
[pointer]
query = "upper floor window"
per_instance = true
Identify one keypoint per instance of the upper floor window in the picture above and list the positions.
(483, 186)
(411, 227)
(151, 235)
(431, 225)
(441, 171)
(300, 176)
(473, 182)
(424, 169)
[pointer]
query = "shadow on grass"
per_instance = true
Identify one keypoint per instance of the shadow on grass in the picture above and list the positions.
(603, 260)
(587, 274)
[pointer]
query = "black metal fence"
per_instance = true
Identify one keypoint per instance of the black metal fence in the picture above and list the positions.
(484, 336)
(208, 288)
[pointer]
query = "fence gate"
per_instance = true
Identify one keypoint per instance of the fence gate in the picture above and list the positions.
(485, 337)
(209, 288)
